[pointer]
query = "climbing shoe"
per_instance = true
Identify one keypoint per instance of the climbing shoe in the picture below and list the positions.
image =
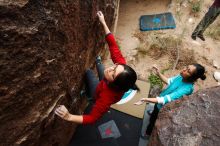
(82, 93)
(98, 59)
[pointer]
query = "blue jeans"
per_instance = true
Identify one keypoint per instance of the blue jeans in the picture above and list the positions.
(91, 79)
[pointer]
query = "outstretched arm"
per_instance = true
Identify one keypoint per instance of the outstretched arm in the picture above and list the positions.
(116, 55)
(151, 100)
(102, 20)
(162, 77)
(99, 108)
(178, 93)
(62, 112)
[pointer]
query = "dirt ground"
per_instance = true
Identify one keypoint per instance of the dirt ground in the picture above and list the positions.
(143, 49)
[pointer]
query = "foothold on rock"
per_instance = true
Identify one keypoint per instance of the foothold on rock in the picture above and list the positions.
(20, 3)
(193, 121)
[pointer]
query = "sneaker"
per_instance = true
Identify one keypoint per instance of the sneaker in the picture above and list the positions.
(82, 93)
(98, 59)
(201, 37)
(193, 37)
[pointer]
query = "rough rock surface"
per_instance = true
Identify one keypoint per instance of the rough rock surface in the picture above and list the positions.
(45, 47)
(191, 121)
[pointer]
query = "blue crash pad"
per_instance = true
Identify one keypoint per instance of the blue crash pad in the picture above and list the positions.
(157, 22)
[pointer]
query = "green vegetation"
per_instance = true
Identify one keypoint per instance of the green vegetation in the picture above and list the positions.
(196, 5)
(155, 80)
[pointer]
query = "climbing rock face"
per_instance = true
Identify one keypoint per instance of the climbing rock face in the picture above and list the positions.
(45, 47)
(191, 121)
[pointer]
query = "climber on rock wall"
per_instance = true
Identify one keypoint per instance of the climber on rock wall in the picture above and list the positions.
(116, 81)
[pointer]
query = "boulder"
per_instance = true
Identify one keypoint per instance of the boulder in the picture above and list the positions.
(46, 46)
(190, 121)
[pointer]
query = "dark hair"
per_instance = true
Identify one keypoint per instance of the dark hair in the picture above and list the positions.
(126, 80)
(199, 73)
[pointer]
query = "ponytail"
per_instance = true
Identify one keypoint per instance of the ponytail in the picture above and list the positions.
(135, 87)
(203, 77)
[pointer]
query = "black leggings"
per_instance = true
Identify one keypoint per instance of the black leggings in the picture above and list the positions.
(91, 79)
(153, 119)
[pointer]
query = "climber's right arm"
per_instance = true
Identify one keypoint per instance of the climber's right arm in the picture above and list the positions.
(102, 20)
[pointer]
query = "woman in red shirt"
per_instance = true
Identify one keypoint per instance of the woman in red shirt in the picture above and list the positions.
(117, 80)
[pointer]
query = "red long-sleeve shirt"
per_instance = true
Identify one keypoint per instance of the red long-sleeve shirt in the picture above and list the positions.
(104, 95)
